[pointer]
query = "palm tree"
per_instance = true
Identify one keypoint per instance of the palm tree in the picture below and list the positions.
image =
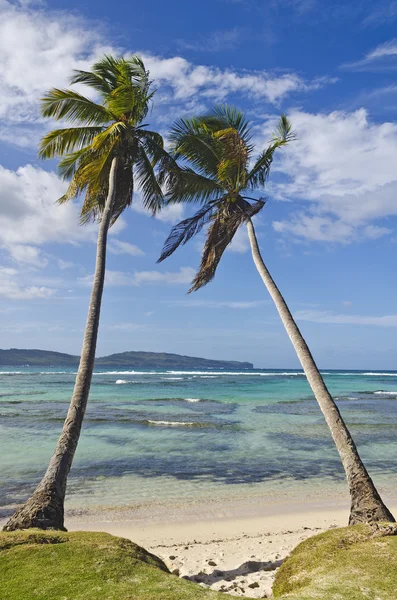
(217, 171)
(104, 153)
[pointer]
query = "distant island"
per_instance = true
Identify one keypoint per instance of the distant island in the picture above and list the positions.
(16, 357)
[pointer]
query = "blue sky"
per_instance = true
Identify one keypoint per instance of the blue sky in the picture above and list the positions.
(328, 233)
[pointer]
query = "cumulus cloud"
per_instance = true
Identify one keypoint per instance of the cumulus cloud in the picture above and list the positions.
(54, 43)
(186, 80)
(30, 255)
(319, 316)
(343, 165)
(29, 215)
(12, 288)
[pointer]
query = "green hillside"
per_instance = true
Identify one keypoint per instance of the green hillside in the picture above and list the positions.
(135, 360)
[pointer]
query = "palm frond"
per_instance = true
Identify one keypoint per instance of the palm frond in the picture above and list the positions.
(65, 141)
(259, 173)
(283, 133)
(69, 162)
(220, 233)
(152, 194)
(282, 136)
(91, 79)
(186, 229)
(185, 185)
(109, 136)
(152, 140)
(224, 116)
(125, 189)
(191, 141)
(130, 101)
(68, 104)
(232, 167)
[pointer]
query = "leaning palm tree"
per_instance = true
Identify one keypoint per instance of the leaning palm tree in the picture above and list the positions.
(104, 153)
(218, 172)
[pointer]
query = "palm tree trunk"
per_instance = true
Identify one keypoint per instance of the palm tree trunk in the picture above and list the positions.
(45, 508)
(366, 504)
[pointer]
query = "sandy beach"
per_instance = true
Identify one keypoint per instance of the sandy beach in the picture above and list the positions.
(234, 549)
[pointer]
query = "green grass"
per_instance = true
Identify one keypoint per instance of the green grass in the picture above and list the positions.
(37, 565)
(353, 563)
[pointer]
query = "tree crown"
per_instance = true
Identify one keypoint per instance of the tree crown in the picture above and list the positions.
(218, 171)
(109, 126)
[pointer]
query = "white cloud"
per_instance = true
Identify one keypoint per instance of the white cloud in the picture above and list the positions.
(386, 49)
(169, 214)
(381, 57)
(56, 42)
(345, 167)
(30, 216)
(39, 49)
(120, 278)
(319, 316)
(119, 247)
(186, 80)
(29, 255)
(12, 289)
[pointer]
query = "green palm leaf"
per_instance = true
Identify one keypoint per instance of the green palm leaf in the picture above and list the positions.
(110, 128)
(152, 194)
(216, 150)
(192, 142)
(185, 185)
(68, 104)
(63, 141)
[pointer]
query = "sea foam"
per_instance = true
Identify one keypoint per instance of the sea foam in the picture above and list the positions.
(172, 423)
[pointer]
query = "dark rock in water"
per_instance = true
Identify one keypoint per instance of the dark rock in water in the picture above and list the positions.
(253, 585)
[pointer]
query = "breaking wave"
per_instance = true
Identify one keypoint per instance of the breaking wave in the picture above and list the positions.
(370, 374)
(175, 423)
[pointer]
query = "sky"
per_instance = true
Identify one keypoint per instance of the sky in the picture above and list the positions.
(328, 233)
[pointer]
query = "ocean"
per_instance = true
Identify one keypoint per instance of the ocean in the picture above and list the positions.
(167, 436)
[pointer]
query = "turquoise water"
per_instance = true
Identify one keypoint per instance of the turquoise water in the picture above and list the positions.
(181, 434)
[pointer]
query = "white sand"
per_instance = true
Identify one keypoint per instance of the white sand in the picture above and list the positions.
(236, 553)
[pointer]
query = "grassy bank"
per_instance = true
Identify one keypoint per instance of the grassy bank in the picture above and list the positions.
(86, 566)
(353, 563)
